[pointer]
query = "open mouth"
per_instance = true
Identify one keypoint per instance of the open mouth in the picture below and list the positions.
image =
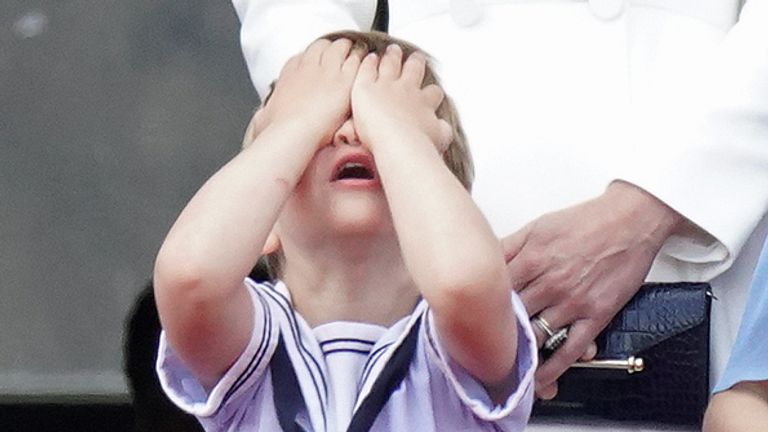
(354, 170)
(355, 167)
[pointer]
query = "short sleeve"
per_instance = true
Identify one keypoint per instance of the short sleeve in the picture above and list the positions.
(183, 388)
(517, 408)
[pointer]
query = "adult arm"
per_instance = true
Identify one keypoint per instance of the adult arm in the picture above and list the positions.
(204, 307)
(580, 265)
(274, 30)
(706, 154)
(449, 248)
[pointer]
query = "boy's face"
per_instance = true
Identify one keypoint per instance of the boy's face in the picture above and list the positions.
(339, 194)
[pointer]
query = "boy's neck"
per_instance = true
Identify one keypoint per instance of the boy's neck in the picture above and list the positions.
(351, 280)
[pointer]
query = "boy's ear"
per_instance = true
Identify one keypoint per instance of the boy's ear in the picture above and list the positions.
(272, 244)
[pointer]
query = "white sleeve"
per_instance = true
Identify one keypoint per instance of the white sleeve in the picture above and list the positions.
(704, 149)
(274, 30)
(516, 410)
(183, 388)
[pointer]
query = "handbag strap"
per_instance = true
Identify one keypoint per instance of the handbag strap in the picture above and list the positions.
(381, 19)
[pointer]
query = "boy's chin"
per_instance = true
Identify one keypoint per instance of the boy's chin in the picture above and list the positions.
(360, 216)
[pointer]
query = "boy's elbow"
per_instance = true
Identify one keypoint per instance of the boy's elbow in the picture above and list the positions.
(469, 284)
(178, 280)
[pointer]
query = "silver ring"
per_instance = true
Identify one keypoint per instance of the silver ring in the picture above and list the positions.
(544, 326)
(556, 340)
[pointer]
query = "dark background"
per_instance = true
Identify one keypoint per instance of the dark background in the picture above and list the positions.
(112, 113)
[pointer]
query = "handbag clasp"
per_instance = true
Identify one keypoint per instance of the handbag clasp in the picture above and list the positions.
(631, 365)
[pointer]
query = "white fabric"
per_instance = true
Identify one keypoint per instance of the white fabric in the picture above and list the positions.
(346, 347)
(436, 394)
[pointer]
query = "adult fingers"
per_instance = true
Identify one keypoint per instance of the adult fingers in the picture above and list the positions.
(536, 295)
(545, 325)
(336, 53)
(513, 243)
(391, 63)
(547, 392)
(580, 335)
(525, 267)
(414, 68)
(589, 353)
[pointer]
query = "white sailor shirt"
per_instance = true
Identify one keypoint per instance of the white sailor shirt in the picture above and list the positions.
(347, 376)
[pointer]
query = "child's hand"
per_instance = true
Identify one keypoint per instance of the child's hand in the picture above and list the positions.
(313, 90)
(388, 100)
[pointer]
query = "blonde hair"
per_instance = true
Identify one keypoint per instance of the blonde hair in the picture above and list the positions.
(457, 157)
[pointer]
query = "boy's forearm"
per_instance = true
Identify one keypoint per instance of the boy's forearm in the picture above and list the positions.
(453, 256)
(442, 232)
(220, 233)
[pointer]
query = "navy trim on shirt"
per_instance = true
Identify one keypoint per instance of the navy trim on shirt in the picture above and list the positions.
(258, 356)
(289, 312)
(348, 350)
(369, 364)
(286, 392)
(386, 383)
(289, 401)
(338, 340)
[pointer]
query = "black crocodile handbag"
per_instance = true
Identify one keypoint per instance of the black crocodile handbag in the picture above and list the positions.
(652, 362)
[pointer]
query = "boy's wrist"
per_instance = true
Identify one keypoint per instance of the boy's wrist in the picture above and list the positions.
(294, 131)
(395, 139)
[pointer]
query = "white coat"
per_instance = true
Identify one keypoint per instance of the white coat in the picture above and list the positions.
(561, 97)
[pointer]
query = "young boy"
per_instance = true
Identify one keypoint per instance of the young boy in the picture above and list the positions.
(391, 311)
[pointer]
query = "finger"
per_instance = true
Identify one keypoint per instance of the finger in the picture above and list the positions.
(579, 337)
(555, 323)
(547, 392)
(414, 68)
(524, 269)
(513, 243)
(539, 334)
(336, 53)
(391, 63)
(352, 63)
(446, 136)
(535, 296)
(314, 51)
(369, 69)
(433, 94)
(590, 353)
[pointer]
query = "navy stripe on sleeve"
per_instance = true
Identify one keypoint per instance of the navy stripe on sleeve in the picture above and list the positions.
(261, 351)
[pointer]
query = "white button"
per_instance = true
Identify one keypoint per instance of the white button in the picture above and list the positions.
(607, 10)
(466, 13)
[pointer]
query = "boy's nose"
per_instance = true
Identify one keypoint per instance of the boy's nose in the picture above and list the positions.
(346, 134)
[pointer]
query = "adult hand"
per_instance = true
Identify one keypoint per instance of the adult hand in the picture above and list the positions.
(579, 266)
